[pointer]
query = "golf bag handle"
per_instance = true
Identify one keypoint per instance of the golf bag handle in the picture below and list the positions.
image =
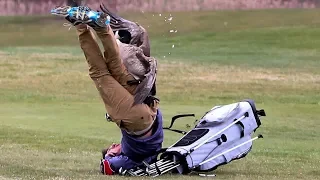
(174, 118)
(177, 131)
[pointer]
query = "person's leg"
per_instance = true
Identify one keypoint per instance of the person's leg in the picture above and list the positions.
(112, 56)
(118, 101)
(92, 52)
(120, 106)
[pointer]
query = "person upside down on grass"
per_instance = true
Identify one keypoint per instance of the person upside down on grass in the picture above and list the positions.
(125, 78)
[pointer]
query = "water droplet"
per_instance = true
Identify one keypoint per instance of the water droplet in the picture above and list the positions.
(173, 46)
(176, 31)
(170, 19)
(160, 14)
(171, 31)
(164, 56)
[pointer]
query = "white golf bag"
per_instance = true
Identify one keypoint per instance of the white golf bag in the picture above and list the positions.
(222, 135)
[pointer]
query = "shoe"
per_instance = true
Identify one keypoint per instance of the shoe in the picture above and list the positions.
(61, 11)
(82, 14)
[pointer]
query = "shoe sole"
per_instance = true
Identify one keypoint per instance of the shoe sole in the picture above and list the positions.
(103, 21)
(61, 11)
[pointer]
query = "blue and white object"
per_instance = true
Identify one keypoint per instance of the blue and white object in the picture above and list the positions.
(94, 16)
(81, 14)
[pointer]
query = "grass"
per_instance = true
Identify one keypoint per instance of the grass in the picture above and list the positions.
(51, 117)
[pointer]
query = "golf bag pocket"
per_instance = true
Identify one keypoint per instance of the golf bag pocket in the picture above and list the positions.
(219, 114)
(226, 158)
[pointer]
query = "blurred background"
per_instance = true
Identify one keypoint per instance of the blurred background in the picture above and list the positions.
(210, 52)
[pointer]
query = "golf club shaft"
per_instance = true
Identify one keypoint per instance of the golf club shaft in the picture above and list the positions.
(159, 163)
(167, 170)
(161, 167)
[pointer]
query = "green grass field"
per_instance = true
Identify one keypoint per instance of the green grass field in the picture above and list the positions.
(52, 120)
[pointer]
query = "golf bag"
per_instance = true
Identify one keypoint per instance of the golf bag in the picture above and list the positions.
(222, 135)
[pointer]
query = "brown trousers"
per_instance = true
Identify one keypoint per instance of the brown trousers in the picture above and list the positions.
(110, 77)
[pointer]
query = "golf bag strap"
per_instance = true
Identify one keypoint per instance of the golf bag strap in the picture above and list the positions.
(242, 128)
(133, 82)
(261, 112)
